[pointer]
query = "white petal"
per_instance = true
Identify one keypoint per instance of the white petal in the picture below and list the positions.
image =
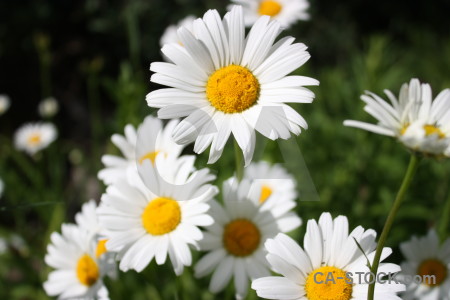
(236, 33)
(313, 243)
(222, 275)
(276, 288)
(196, 49)
(240, 279)
(369, 127)
(208, 262)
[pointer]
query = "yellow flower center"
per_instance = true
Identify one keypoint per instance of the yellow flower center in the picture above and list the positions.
(34, 139)
(87, 270)
(269, 8)
(327, 283)
(232, 89)
(266, 191)
(149, 155)
(101, 248)
(434, 268)
(161, 216)
(241, 237)
(403, 130)
(431, 129)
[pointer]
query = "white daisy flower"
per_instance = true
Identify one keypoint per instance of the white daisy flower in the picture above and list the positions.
(33, 137)
(420, 123)
(275, 184)
(224, 82)
(78, 271)
(152, 218)
(287, 12)
(235, 241)
(170, 34)
(5, 103)
(48, 107)
(327, 266)
(151, 139)
(426, 257)
(87, 220)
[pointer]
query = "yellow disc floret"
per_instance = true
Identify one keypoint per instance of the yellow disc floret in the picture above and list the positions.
(328, 283)
(232, 89)
(34, 139)
(150, 155)
(266, 191)
(101, 248)
(404, 128)
(241, 237)
(87, 270)
(269, 8)
(428, 128)
(432, 267)
(431, 129)
(162, 215)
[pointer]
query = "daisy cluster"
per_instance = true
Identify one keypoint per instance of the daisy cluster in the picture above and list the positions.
(159, 206)
(155, 207)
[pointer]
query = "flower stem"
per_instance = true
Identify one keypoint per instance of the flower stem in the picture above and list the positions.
(239, 161)
(132, 23)
(445, 220)
(412, 168)
(95, 115)
(42, 44)
(29, 170)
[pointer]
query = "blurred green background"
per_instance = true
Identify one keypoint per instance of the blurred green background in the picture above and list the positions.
(93, 56)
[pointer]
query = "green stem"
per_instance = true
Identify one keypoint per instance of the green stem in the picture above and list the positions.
(95, 117)
(42, 43)
(132, 21)
(45, 77)
(445, 220)
(29, 170)
(239, 161)
(412, 168)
